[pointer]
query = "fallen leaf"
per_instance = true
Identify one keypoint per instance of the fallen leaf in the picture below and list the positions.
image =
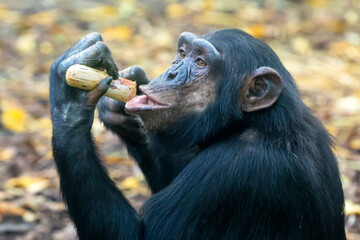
(98, 13)
(175, 10)
(114, 159)
(29, 217)
(119, 32)
(7, 154)
(257, 30)
(14, 119)
(7, 208)
(355, 143)
(351, 16)
(130, 183)
(349, 105)
(352, 208)
(42, 18)
(316, 3)
(31, 184)
(26, 44)
(8, 16)
(301, 45)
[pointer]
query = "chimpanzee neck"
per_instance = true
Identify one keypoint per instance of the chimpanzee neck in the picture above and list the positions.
(175, 149)
(189, 137)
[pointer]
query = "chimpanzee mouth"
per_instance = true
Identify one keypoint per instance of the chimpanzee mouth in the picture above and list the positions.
(143, 103)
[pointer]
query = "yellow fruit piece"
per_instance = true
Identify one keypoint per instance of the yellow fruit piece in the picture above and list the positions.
(87, 78)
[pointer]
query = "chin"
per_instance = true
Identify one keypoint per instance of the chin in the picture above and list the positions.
(154, 115)
(155, 120)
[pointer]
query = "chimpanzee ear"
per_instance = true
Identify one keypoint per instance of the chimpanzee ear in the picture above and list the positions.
(260, 90)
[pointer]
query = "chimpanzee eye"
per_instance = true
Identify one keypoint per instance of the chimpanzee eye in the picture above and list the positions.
(182, 54)
(200, 62)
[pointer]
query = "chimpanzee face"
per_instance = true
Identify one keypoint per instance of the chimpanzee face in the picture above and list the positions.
(187, 86)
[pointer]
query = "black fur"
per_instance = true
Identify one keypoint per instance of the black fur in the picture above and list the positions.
(220, 174)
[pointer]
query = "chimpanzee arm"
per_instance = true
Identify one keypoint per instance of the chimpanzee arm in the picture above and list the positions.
(96, 206)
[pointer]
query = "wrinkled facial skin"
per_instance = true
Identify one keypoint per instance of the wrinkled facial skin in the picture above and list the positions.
(187, 86)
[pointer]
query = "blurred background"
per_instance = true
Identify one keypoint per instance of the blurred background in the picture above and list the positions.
(317, 40)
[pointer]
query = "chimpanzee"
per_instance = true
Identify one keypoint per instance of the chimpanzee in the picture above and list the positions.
(223, 138)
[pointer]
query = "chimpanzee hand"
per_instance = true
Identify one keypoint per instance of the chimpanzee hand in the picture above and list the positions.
(112, 113)
(72, 107)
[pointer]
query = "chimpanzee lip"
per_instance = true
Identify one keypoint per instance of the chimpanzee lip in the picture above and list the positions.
(144, 103)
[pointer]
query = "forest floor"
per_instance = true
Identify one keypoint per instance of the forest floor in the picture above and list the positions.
(317, 40)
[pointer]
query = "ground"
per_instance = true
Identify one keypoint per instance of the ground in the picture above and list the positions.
(317, 40)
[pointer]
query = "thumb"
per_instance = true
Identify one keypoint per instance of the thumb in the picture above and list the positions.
(95, 94)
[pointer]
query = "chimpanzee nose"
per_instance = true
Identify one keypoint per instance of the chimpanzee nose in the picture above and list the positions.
(172, 75)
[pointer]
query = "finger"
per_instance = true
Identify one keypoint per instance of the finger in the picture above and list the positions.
(135, 73)
(109, 104)
(109, 64)
(84, 43)
(95, 94)
(90, 57)
(98, 55)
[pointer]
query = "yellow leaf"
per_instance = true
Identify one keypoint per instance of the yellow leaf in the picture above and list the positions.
(42, 18)
(7, 208)
(342, 49)
(162, 39)
(175, 10)
(126, 9)
(301, 45)
(31, 184)
(351, 16)
(6, 154)
(29, 217)
(8, 16)
(207, 5)
(349, 105)
(115, 158)
(337, 26)
(119, 32)
(257, 30)
(129, 183)
(355, 143)
(316, 3)
(98, 13)
(14, 119)
(26, 44)
(352, 208)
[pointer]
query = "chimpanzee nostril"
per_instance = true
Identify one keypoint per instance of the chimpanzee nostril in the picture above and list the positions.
(172, 75)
